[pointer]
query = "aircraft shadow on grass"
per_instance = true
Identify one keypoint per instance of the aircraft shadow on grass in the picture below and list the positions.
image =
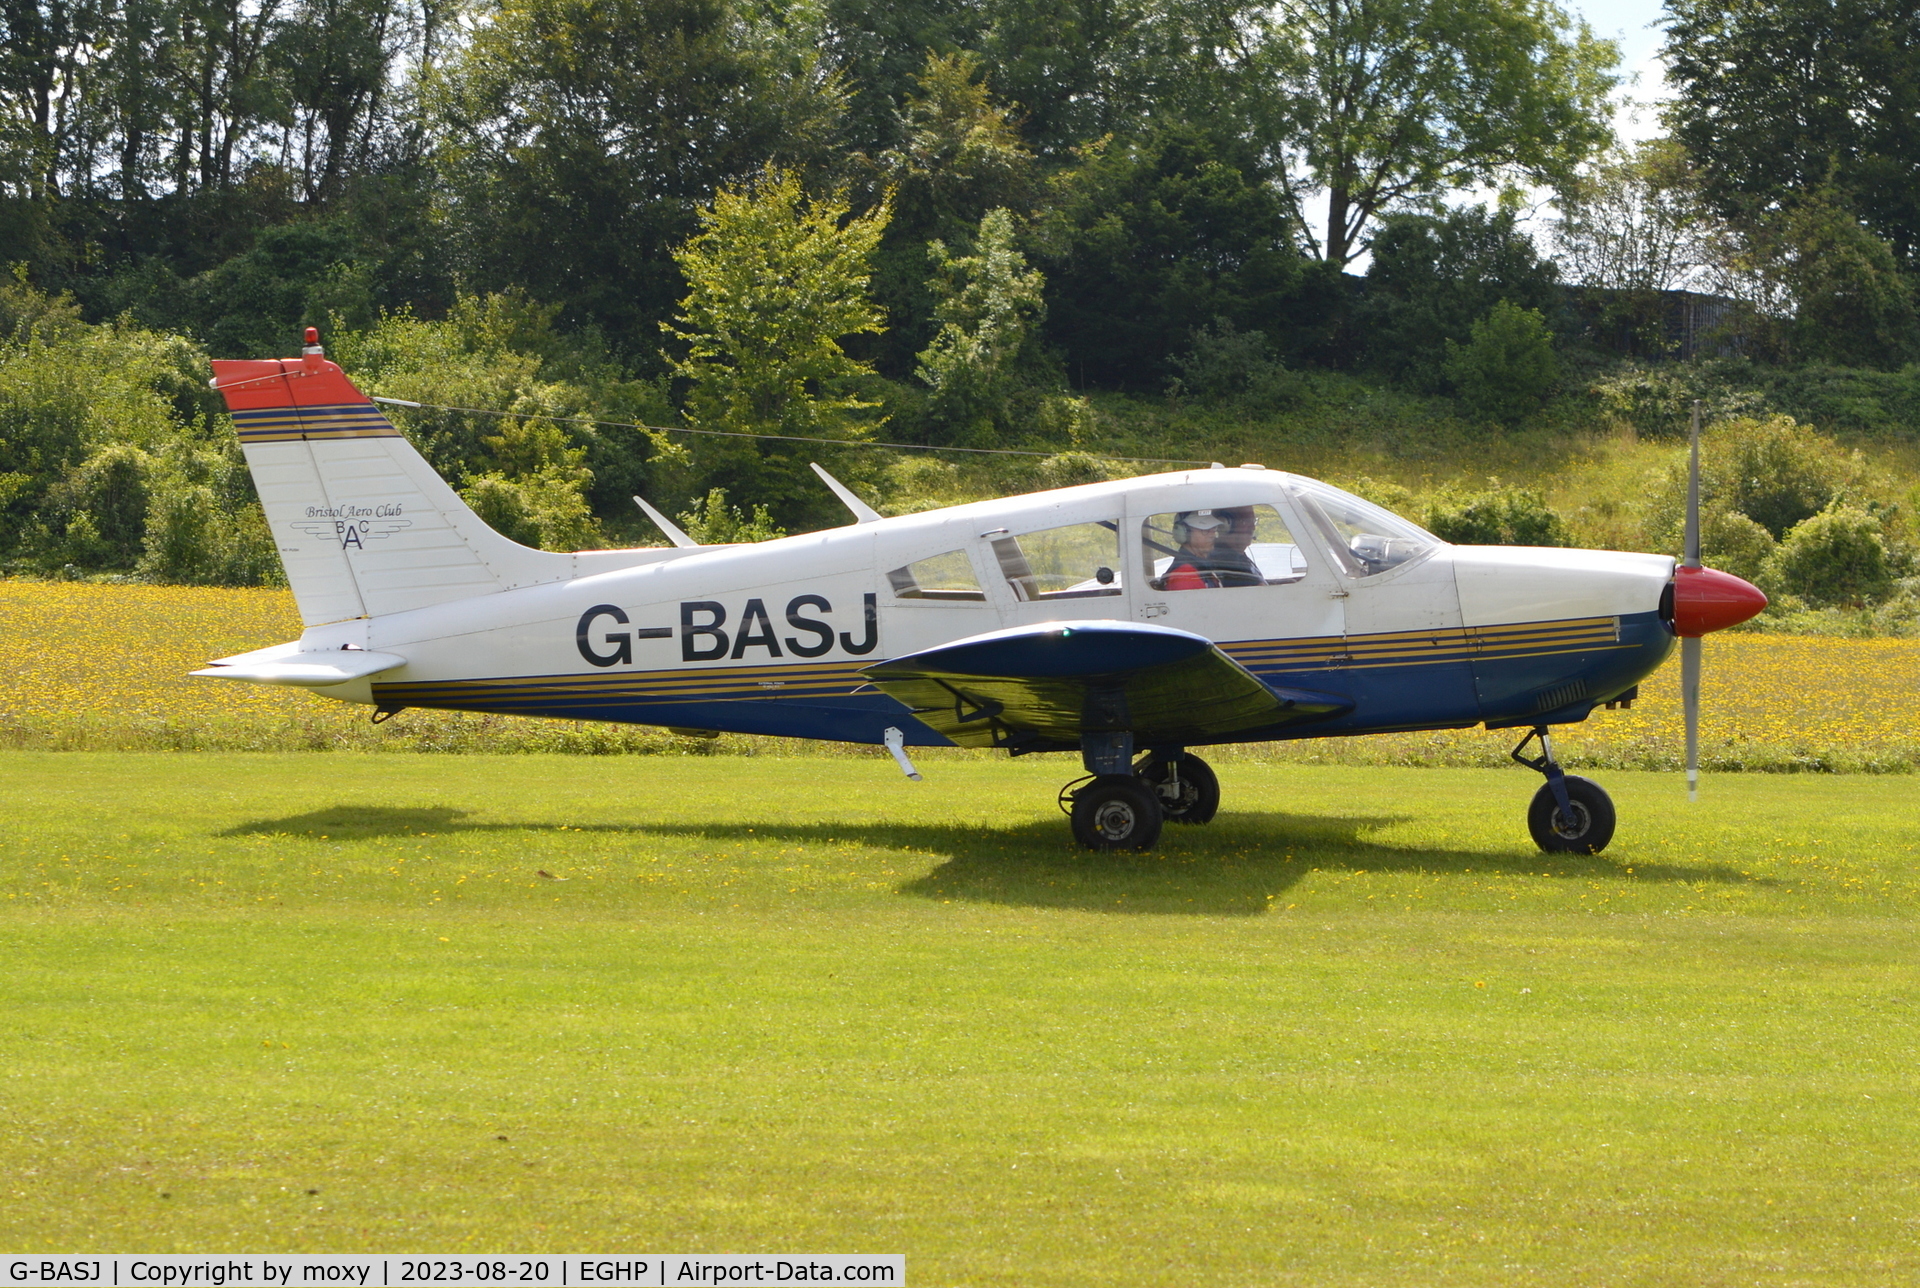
(1238, 865)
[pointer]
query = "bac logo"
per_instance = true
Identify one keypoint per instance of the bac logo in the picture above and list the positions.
(705, 635)
(353, 525)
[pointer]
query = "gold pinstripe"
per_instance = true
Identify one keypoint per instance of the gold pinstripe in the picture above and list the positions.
(288, 424)
(819, 680)
(1420, 648)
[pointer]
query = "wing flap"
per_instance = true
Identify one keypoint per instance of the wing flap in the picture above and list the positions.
(1053, 682)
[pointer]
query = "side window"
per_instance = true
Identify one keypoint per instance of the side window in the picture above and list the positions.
(1075, 562)
(1220, 549)
(946, 577)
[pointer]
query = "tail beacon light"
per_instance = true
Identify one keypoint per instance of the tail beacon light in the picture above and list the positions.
(1707, 600)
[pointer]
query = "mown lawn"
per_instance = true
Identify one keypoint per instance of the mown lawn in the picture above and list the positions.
(1358, 1032)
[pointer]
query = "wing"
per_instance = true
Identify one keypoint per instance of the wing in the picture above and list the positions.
(1048, 684)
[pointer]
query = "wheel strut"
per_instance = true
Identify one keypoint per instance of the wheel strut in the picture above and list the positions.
(1546, 765)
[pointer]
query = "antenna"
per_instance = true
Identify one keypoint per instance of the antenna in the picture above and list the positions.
(862, 512)
(666, 525)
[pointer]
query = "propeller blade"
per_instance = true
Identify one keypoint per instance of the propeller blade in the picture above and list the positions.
(1690, 705)
(1690, 647)
(1692, 554)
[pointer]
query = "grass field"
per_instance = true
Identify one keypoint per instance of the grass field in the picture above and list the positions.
(1357, 1032)
(104, 667)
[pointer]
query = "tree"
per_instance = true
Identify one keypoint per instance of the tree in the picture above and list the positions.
(884, 48)
(776, 280)
(1507, 368)
(1853, 303)
(1149, 240)
(989, 301)
(1632, 221)
(1632, 226)
(1385, 103)
(336, 58)
(1081, 70)
(1782, 97)
(1435, 276)
(578, 140)
(959, 156)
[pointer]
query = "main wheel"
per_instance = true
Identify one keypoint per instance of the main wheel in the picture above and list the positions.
(1587, 832)
(1114, 812)
(1188, 794)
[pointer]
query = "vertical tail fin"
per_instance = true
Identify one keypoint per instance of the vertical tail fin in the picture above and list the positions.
(364, 525)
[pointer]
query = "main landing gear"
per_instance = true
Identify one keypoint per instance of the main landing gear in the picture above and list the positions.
(1569, 814)
(1123, 808)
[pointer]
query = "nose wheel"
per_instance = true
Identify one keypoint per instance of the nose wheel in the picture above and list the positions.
(1569, 814)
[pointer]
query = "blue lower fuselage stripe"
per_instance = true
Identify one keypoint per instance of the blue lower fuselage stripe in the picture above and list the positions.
(1514, 675)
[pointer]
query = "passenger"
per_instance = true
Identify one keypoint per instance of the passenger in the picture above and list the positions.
(1230, 558)
(1197, 531)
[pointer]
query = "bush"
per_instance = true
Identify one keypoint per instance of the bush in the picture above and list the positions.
(715, 523)
(1776, 472)
(1501, 516)
(194, 538)
(96, 516)
(1507, 369)
(1071, 469)
(1837, 558)
(1732, 542)
(544, 509)
(1225, 364)
(1658, 401)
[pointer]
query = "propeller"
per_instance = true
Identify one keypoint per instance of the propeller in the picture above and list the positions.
(1690, 644)
(1704, 600)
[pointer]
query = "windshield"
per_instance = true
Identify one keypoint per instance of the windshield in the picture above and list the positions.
(1363, 539)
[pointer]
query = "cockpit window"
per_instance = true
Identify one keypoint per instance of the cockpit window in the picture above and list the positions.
(1225, 548)
(1363, 539)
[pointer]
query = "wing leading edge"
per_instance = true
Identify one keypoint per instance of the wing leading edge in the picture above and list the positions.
(1044, 687)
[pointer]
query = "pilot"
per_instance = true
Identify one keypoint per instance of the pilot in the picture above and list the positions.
(1230, 558)
(1198, 532)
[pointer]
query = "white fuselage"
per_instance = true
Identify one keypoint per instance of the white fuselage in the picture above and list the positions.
(738, 624)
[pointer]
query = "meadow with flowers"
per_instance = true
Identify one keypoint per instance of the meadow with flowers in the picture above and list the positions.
(106, 667)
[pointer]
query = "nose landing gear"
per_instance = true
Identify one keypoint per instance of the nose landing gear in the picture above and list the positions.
(1569, 814)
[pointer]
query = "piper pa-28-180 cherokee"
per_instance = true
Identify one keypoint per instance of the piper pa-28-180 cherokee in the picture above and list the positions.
(1128, 620)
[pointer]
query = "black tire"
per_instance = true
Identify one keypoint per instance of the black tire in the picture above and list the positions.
(1592, 825)
(1114, 812)
(1195, 798)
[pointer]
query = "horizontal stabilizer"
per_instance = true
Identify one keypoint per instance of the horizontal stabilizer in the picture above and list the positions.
(285, 664)
(1051, 683)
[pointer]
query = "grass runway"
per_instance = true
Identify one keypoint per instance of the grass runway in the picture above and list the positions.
(1357, 1032)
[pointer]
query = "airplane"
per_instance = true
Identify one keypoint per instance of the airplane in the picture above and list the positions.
(1129, 621)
